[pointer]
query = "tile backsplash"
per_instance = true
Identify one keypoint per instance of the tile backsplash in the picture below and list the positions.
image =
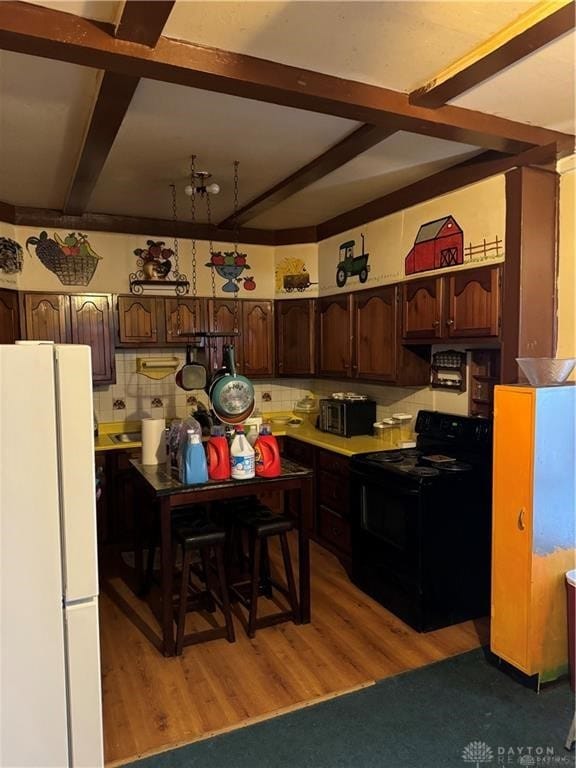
(135, 396)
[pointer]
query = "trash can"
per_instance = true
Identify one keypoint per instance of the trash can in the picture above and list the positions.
(571, 595)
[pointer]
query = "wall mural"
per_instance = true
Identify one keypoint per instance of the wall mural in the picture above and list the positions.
(350, 265)
(230, 265)
(11, 260)
(292, 275)
(439, 244)
(72, 260)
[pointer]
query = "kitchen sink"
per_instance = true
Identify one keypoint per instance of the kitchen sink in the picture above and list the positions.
(127, 437)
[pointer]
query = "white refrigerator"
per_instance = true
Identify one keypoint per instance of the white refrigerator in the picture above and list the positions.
(50, 686)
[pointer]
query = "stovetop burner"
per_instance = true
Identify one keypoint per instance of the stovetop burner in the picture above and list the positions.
(422, 471)
(456, 466)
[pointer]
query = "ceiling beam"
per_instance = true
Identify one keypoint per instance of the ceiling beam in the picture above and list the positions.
(142, 23)
(469, 172)
(461, 175)
(529, 32)
(362, 139)
(7, 213)
(133, 225)
(45, 32)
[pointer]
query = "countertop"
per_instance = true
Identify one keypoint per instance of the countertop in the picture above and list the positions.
(347, 446)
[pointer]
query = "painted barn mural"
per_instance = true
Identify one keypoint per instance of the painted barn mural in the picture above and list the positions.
(438, 244)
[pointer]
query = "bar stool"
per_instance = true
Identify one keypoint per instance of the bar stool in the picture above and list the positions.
(198, 539)
(207, 540)
(260, 525)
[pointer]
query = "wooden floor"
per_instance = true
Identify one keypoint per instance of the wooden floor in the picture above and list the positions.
(152, 703)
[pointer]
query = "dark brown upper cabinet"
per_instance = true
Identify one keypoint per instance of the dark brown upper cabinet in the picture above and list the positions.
(138, 320)
(47, 317)
(295, 336)
(77, 319)
(461, 305)
(183, 318)
(258, 337)
(254, 346)
(335, 336)
(375, 334)
(154, 320)
(359, 337)
(9, 317)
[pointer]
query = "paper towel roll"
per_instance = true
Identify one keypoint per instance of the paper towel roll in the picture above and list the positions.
(153, 441)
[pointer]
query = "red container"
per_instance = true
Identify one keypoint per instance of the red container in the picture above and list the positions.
(571, 594)
(267, 455)
(218, 456)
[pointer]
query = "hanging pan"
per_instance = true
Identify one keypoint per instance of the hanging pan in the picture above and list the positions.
(192, 375)
(231, 395)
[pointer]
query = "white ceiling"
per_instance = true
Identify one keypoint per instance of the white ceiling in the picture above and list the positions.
(45, 106)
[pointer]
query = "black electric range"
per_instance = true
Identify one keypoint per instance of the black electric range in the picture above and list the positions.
(421, 522)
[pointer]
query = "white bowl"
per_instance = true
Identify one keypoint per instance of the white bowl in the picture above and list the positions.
(546, 371)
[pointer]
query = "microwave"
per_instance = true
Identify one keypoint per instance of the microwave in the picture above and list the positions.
(347, 417)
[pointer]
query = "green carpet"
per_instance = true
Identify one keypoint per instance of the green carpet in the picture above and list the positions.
(456, 713)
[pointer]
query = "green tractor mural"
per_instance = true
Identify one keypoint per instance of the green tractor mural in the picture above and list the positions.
(349, 265)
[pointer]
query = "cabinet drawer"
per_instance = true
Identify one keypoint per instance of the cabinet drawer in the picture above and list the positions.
(334, 529)
(334, 463)
(334, 492)
(300, 452)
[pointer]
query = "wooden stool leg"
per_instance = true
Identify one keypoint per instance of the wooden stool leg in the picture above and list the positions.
(186, 561)
(204, 556)
(290, 578)
(225, 598)
(265, 576)
(255, 545)
(152, 544)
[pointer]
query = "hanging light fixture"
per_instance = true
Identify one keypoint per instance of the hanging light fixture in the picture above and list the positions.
(198, 184)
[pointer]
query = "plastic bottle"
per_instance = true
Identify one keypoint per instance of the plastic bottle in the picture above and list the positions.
(267, 454)
(241, 456)
(218, 455)
(195, 468)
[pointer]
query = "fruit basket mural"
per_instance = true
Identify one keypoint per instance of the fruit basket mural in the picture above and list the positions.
(10, 256)
(72, 260)
(230, 265)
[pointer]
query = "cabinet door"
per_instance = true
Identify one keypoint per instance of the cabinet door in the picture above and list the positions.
(47, 317)
(9, 324)
(183, 316)
(422, 309)
(258, 338)
(295, 320)
(335, 336)
(224, 316)
(473, 303)
(137, 320)
(375, 334)
(512, 527)
(91, 322)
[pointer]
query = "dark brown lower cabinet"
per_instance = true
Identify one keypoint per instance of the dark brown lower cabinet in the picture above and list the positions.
(331, 495)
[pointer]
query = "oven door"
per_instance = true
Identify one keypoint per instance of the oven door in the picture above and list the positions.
(387, 519)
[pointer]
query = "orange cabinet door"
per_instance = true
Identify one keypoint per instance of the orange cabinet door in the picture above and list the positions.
(512, 527)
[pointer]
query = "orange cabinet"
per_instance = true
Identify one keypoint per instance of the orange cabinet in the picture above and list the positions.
(533, 526)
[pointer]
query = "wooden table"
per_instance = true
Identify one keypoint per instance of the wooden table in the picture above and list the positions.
(160, 486)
